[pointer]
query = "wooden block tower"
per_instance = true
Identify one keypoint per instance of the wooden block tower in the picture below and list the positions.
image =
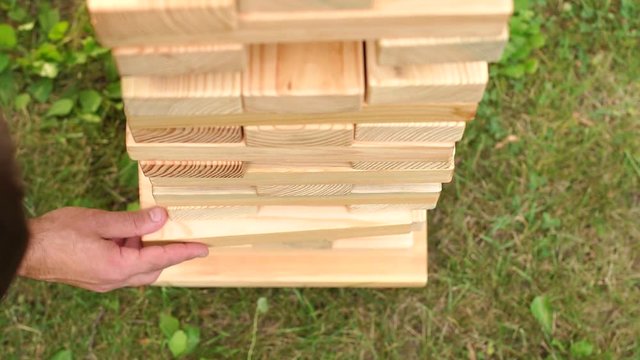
(302, 140)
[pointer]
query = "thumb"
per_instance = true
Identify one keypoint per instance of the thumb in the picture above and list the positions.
(116, 225)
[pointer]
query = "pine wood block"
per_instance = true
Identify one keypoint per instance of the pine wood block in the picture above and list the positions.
(416, 51)
(369, 208)
(205, 134)
(298, 155)
(147, 22)
(301, 5)
(369, 114)
(181, 213)
(267, 175)
(446, 131)
(190, 169)
(195, 196)
(186, 95)
(179, 60)
(403, 165)
(304, 190)
(299, 135)
(430, 83)
(304, 78)
(247, 267)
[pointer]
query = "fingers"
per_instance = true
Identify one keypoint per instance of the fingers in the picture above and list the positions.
(154, 258)
(129, 224)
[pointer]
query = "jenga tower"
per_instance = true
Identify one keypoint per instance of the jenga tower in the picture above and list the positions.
(302, 140)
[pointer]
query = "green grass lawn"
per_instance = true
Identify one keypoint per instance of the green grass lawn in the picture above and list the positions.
(545, 204)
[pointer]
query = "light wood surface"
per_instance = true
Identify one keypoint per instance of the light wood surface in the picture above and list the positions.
(304, 190)
(304, 78)
(181, 213)
(369, 114)
(402, 165)
(182, 169)
(300, 155)
(208, 134)
(189, 196)
(430, 83)
(412, 51)
(301, 5)
(179, 60)
(446, 131)
(299, 135)
(247, 267)
(262, 175)
(186, 95)
(147, 22)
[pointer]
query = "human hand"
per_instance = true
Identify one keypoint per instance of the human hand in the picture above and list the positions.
(101, 250)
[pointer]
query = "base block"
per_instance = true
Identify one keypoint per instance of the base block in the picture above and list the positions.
(291, 267)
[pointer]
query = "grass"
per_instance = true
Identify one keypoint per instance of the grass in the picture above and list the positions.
(545, 202)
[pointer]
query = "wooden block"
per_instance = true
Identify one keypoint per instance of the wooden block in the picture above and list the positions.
(299, 135)
(247, 267)
(397, 188)
(369, 208)
(181, 213)
(196, 196)
(208, 134)
(301, 5)
(369, 114)
(304, 78)
(145, 22)
(187, 95)
(416, 51)
(263, 175)
(301, 154)
(181, 169)
(180, 60)
(304, 190)
(431, 83)
(124, 22)
(402, 165)
(446, 131)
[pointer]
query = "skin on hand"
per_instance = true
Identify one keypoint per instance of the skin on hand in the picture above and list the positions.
(101, 250)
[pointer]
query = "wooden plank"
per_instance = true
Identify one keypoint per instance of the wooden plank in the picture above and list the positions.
(180, 60)
(208, 169)
(304, 78)
(245, 267)
(263, 175)
(416, 51)
(304, 190)
(181, 213)
(431, 83)
(369, 208)
(301, 5)
(369, 114)
(402, 165)
(208, 134)
(302, 154)
(146, 22)
(190, 196)
(186, 95)
(445, 131)
(397, 188)
(299, 135)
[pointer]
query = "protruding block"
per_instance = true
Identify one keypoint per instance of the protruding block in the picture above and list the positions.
(299, 135)
(445, 131)
(301, 5)
(116, 21)
(193, 169)
(304, 78)
(182, 213)
(180, 60)
(208, 134)
(187, 95)
(432, 83)
(417, 51)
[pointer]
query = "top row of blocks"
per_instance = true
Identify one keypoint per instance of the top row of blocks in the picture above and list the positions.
(121, 23)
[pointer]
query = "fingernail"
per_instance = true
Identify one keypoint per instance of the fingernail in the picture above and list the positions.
(204, 253)
(156, 214)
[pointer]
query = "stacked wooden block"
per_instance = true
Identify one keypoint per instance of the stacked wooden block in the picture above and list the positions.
(303, 140)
